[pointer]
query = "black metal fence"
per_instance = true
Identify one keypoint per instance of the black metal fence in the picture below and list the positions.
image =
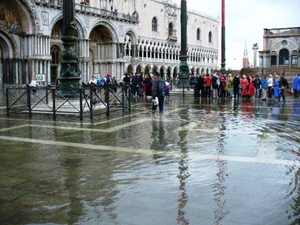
(84, 101)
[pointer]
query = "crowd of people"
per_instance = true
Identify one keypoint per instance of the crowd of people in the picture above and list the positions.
(250, 86)
(218, 85)
(141, 85)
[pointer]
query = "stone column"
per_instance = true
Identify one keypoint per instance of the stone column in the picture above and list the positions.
(255, 49)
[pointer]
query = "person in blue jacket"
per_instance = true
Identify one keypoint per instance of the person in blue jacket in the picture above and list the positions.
(264, 87)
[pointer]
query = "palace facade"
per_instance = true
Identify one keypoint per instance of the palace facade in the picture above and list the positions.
(114, 36)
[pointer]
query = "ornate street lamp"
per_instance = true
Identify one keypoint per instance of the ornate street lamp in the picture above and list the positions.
(183, 68)
(70, 72)
(223, 70)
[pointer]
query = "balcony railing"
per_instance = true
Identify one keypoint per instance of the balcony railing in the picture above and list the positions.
(282, 31)
(93, 11)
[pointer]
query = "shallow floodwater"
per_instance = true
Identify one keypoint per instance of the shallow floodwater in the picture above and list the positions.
(204, 162)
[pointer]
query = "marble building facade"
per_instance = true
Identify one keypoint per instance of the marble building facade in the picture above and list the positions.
(281, 48)
(114, 36)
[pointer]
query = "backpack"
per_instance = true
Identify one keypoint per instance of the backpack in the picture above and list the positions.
(194, 81)
(161, 86)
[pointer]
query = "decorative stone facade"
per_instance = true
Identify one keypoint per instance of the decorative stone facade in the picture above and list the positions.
(114, 36)
(281, 48)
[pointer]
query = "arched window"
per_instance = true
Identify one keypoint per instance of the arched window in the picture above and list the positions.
(154, 24)
(198, 34)
(55, 54)
(171, 29)
(210, 37)
(283, 57)
(273, 58)
(294, 58)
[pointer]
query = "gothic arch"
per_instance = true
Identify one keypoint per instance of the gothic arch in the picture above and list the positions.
(57, 26)
(129, 70)
(139, 68)
(109, 31)
(33, 24)
(8, 46)
(175, 71)
(161, 71)
(16, 17)
(132, 35)
(55, 52)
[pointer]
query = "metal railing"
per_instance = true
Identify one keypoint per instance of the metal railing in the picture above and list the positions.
(84, 101)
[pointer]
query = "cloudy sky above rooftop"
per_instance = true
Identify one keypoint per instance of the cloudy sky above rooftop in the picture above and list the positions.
(245, 22)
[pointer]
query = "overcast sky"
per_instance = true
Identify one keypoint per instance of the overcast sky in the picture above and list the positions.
(245, 22)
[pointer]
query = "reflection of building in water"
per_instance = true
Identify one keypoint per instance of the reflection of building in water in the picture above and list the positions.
(137, 36)
(219, 186)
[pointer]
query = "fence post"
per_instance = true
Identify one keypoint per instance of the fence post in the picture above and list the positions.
(107, 99)
(7, 103)
(91, 102)
(123, 99)
(128, 96)
(80, 103)
(54, 105)
(29, 100)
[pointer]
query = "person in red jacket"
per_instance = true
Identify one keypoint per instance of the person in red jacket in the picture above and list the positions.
(208, 83)
(244, 84)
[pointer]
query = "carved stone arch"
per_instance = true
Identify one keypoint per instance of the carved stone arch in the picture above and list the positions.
(132, 35)
(8, 46)
(34, 25)
(154, 69)
(202, 70)
(148, 69)
(175, 71)
(56, 30)
(107, 31)
(19, 17)
(55, 52)
(129, 70)
(139, 68)
(284, 55)
(162, 71)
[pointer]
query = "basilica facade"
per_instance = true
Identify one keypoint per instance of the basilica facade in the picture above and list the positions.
(113, 36)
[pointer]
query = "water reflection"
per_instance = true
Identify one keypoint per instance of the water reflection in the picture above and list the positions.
(219, 187)
(72, 165)
(183, 171)
(294, 194)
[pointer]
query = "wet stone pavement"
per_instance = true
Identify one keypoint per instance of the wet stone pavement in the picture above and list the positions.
(204, 162)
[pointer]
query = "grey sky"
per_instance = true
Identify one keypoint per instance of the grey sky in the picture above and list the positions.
(245, 21)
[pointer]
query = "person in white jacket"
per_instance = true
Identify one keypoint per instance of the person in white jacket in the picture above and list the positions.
(33, 85)
(270, 86)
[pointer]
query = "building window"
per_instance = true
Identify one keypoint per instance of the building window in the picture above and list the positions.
(283, 57)
(198, 34)
(154, 24)
(171, 29)
(294, 58)
(210, 37)
(273, 60)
